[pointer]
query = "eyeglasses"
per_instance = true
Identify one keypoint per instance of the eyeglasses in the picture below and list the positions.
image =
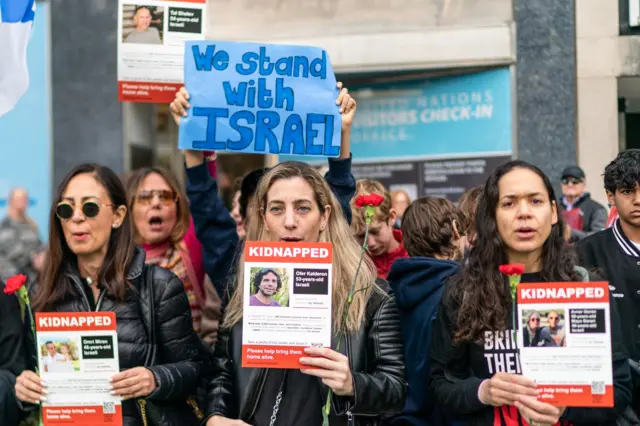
(90, 209)
(534, 320)
(572, 181)
(165, 196)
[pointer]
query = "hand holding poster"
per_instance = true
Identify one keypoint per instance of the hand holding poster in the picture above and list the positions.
(564, 336)
(287, 302)
(77, 353)
(260, 98)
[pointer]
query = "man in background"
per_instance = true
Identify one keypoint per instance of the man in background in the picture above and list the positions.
(21, 250)
(400, 201)
(582, 215)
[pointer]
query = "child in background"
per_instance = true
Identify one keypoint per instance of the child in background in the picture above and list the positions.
(431, 237)
(384, 243)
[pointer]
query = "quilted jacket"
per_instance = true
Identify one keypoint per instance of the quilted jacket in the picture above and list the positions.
(183, 358)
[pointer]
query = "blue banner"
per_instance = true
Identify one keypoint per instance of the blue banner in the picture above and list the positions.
(25, 131)
(463, 115)
(260, 98)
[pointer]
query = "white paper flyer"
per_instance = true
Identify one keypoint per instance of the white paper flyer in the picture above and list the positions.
(564, 336)
(77, 353)
(287, 302)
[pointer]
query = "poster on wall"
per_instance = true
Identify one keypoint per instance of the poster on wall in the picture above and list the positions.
(151, 37)
(444, 178)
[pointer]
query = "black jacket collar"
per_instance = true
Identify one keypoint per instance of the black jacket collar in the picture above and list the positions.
(627, 246)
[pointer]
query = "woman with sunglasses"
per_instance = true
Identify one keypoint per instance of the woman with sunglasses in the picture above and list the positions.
(161, 221)
(534, 335)
(93, 264)
(475, 370)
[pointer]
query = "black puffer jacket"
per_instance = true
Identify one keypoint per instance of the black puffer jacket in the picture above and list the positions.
(375, 353)
(183, 358)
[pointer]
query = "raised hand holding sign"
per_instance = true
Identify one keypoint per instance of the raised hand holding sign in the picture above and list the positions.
(265, 99)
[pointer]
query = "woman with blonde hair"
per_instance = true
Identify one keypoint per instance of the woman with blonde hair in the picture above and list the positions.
(295, 204)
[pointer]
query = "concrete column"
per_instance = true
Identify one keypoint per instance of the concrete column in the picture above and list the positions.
(597, 27)
(546, 84)
(87, 117)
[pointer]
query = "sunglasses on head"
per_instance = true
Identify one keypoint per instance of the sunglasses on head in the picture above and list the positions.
(165, 196)
(573, 181)
(90, 209)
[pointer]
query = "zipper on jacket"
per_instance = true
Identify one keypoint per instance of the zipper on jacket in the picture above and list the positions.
(349, 415)
(100, 298)
(84, 295)
(350, 421)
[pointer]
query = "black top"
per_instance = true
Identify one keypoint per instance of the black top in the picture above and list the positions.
(182, 357)
(301, 403)
(617, 260)
(457, 372)
(14, 355)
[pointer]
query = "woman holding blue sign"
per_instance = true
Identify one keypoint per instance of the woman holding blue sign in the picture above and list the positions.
(365, 374)
(210, 214)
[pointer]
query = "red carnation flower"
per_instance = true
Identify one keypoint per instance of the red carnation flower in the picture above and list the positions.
(14, 284)
(511, 270)
(373, 200)
(376, 200)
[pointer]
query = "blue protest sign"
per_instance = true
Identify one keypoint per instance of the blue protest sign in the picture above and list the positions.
(260, 98)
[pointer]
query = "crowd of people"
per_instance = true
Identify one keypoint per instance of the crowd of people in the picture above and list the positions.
(419, 331)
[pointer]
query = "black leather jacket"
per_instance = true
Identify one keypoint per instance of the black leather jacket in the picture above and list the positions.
(375, 353)
(183, 357)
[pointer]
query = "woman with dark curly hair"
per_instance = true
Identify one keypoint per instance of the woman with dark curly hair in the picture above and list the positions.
(475, 369)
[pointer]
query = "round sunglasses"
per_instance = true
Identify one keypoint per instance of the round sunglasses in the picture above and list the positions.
(90, 209)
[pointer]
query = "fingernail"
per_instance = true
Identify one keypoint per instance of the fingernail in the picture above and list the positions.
(113, 393)
(43, 398)
(43, 383)
(37, 402)
(110, 379)
(110, 387)
(44, 391)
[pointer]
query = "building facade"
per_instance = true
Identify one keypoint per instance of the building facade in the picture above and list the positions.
(567, 90)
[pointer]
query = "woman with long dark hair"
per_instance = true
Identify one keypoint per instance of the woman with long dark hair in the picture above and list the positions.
(475, 369)
(93, 264)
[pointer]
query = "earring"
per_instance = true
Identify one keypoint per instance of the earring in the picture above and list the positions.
(114, 226)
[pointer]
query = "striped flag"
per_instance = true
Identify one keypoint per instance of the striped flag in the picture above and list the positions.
(16, 20)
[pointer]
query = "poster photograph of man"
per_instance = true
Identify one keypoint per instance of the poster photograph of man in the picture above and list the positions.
(59, 355)
(269, 287)
(543, 328)
(142, 24)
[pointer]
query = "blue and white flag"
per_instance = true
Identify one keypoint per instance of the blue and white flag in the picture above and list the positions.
(16, 20)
